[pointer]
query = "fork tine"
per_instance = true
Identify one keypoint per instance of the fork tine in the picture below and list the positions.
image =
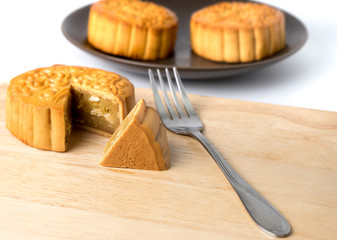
(157, 98)
(177, 103)
(166, 97)
(187, 104)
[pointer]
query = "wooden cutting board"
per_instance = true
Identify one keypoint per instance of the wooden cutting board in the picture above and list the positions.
(288, 154)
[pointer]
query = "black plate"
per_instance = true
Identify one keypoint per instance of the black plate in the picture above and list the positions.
(74, 28)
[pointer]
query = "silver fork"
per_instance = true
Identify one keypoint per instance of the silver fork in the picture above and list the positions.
(181, 118)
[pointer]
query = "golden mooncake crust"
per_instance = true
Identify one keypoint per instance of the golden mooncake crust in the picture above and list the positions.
(131, 28)
(139, 142)
(38, 108)
(237, 32)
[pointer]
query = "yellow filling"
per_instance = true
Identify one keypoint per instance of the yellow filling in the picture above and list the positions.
(93, 111)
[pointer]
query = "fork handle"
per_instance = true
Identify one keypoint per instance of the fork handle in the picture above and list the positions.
(262, 212)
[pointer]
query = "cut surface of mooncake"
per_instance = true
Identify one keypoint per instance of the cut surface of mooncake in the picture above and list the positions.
(237, 32)
(140, 142)
(133, 29)
(43, 104)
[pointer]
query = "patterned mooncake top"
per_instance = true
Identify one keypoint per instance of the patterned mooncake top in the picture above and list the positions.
(141, 13)
(44, 86)
(238, 14)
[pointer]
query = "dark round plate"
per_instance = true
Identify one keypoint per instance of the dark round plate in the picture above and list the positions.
(190, 66)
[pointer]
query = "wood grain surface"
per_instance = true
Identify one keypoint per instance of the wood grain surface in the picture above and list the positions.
(288, 154)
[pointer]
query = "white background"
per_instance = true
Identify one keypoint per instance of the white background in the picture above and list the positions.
(31, 37)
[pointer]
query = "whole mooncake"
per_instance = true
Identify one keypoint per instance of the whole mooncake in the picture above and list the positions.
(133, 29)
(237, 32)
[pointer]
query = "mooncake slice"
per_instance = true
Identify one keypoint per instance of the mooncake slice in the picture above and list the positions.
(140, 142)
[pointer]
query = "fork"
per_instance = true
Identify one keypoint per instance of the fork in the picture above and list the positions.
(180, 118)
